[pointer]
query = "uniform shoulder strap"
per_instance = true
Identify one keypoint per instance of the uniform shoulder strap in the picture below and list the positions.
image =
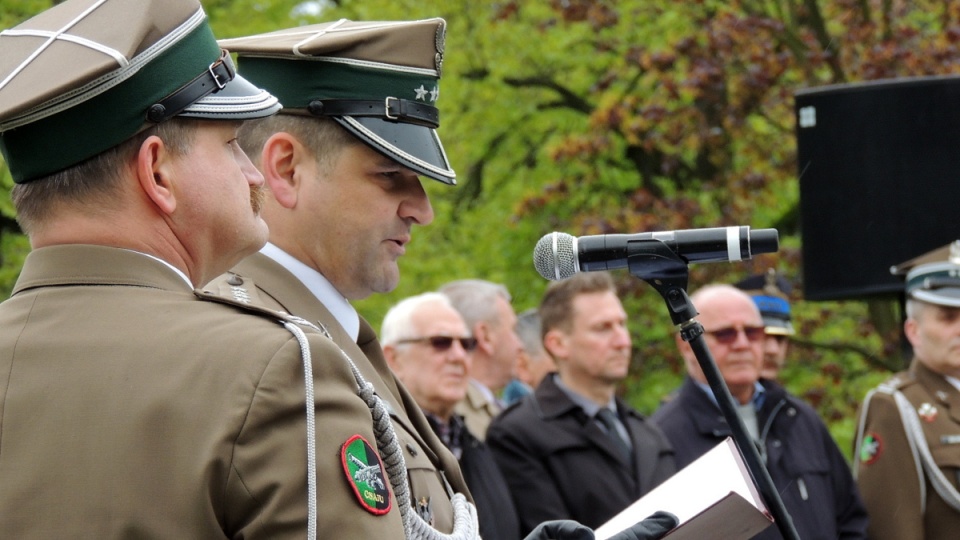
(890, 388)
(914, 430)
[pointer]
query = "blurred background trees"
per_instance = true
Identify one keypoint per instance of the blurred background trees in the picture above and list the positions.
(592, 117)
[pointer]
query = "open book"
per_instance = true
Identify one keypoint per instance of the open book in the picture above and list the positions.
(713, 497)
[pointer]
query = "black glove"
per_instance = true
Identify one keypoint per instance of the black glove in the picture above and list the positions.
(651, 528)
(561, 529)
(654, 527)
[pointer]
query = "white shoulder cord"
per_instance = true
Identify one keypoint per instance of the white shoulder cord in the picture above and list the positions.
(311, 430)
(941, 485)
(889, 390)
(465, 525)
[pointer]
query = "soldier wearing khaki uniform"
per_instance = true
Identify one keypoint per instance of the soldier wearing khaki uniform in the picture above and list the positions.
(375, 86)
(131, 404)
(342, 162)
(907, 455)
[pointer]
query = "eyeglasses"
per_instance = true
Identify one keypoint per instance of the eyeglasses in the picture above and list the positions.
(443, 343)
(728, 335)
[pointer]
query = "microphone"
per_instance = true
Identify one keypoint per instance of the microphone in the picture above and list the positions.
(559, 255)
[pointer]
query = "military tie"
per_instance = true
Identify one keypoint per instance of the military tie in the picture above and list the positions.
(609, 419)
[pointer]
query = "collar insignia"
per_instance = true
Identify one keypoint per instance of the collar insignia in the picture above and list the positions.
(927, 412)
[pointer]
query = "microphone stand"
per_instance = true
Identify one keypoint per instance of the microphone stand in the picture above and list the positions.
(652, 261)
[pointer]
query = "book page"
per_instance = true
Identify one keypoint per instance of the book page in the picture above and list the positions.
(701, 492)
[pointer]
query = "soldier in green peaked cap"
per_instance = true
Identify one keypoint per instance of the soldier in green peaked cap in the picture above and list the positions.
(133, 404)
(907, 453)
(342, 163)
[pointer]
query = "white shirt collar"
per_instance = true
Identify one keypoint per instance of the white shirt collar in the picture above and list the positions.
(953, 380)
(170, 266)
(321, 288)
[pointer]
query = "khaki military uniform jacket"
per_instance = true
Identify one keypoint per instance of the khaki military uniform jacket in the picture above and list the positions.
(132, 407)
(901, 499)
(477, 411)
(432, 470)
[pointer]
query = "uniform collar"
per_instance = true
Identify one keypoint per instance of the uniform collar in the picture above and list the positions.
(326, 293)
(170, 266)
(87, 264)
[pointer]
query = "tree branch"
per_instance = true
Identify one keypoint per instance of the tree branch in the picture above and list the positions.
(568, 98)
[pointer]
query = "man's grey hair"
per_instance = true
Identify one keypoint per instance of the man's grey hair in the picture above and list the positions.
(528, 329)
(476, 299)
(915, 309)
(398, 322)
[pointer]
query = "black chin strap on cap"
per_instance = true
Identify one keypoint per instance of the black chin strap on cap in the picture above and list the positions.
(213, 79)
(391, 108)
(940, 282)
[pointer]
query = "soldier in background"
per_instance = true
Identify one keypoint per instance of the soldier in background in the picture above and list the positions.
(907, 453)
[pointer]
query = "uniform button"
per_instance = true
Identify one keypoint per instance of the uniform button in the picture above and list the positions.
(412, 449)
(776, 443)
(791, 411)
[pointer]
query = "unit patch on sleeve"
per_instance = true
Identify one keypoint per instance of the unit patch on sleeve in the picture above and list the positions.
(366, 475)
(870, 449)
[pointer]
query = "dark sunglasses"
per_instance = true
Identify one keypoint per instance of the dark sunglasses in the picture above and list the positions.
(443, 343)
(728, 335)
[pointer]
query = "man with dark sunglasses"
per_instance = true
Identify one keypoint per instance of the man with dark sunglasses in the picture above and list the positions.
(806, 465)
(426, 343)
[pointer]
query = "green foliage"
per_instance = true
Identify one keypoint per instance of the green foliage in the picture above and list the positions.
(594, 117)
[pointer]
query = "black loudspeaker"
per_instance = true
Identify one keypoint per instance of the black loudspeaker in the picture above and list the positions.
(879, 169)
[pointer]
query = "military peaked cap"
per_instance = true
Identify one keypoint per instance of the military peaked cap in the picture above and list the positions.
(86, 75)
(934, 277)
(770, 293)
(379, 80)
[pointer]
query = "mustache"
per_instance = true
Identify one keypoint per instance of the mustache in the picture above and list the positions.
(257, 198)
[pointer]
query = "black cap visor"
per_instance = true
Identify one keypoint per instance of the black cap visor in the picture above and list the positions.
(413, 146)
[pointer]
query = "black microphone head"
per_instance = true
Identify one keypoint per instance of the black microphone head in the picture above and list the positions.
(555, 256)
(764, 241)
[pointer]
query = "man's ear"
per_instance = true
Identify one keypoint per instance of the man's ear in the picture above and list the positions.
(484, 335)
(555, 343)
(155, 172)
(390, 355)
(281, 159)
(911, 332)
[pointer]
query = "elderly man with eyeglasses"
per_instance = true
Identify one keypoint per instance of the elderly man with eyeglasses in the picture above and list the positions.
(806, 465)
(426, 343)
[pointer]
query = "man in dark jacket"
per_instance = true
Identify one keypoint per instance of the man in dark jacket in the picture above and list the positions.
(573, 450)
(426, 343)
(806, 466)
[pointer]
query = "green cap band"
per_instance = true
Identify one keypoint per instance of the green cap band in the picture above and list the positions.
(922, 280)
(80, 132)
(305, 80)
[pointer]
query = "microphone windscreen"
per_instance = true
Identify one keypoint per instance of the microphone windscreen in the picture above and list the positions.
(764, 241)
(555, 256)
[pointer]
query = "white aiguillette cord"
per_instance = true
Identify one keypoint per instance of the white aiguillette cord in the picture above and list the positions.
(465, 525)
